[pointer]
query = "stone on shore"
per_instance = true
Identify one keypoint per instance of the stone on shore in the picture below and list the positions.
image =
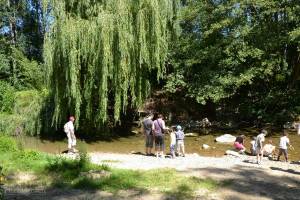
(190, 135)
(227, 138)
(93, 174)
(232, 153)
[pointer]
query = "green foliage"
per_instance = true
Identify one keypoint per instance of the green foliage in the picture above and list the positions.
(25, 117)
(7, 97)
(7, 144)
(239, 52)
(100, 55)
(27, 73)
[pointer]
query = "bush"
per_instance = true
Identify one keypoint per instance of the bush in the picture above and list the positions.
(26, 117)
(7, 144)
(7, 97)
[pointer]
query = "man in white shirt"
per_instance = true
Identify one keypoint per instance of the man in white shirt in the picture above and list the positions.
(69, 130)
(259, 145)
(283, 146)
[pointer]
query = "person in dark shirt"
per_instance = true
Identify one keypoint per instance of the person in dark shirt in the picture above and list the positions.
(147, 130)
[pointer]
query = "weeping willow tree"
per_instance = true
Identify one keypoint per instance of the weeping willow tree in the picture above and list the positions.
(101, 54)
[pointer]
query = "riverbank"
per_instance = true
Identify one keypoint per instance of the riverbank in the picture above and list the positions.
(139, 177)
(33, 174)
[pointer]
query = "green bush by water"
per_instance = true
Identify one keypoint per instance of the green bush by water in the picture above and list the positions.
(25, 115)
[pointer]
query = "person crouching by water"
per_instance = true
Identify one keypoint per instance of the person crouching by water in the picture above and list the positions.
(158, 129)
(180, 141)
(69, 130)
(173, 143)
(147, 130)
(269, 149)
(239, 144)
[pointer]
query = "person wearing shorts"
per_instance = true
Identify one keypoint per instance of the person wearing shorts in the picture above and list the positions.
(158, 129)
(283, 149)
(147, 130)
(259, 145)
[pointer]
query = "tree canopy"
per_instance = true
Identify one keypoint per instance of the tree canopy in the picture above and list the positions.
(102, 54)
(247, 50)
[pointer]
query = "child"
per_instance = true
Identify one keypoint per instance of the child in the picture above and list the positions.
(239, 144)
(284, 141)
(173, 143)
(180, 141)
(252, 148)
(259, 145)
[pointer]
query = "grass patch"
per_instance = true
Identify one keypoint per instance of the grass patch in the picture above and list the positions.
(55, 171)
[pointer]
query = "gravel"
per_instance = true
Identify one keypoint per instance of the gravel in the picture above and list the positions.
(191, 161)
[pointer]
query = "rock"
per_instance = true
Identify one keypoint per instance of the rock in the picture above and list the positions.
(232, 153)
(94, 174)
(227, 138)
(22, 177)
(190, 135)
(205, 146)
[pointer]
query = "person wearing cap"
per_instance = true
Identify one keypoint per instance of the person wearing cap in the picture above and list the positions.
(260, 139)
(69, 130)
(180, 140)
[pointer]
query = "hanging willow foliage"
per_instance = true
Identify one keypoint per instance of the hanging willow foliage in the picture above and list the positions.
(102, 52)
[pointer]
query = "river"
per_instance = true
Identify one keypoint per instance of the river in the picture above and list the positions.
(135, 143)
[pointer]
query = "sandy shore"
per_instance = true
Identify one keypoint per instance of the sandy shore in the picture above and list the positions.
(191, 161)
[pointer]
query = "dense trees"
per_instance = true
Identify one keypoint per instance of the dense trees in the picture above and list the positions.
(241, 53)
(96, 59)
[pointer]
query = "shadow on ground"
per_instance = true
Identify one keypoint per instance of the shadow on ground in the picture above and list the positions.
(248, 183)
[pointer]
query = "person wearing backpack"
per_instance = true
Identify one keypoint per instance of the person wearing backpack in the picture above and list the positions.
(69, 130)
(159, 129)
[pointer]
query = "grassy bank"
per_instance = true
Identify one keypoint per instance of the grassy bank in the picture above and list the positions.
(52, 171)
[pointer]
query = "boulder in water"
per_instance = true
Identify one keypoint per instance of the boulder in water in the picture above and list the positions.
(205, 146)
(190, 135)
(227, 138)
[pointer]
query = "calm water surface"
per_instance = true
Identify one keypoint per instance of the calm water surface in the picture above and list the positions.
(136, 144)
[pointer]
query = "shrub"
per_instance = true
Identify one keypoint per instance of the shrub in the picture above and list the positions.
(7, 144)
(7, 97)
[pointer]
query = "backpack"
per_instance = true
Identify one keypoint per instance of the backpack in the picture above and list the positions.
(66, 128)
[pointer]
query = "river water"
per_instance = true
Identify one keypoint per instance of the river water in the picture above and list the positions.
(135, 143)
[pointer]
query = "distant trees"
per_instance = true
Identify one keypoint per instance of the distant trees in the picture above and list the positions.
(245, 53)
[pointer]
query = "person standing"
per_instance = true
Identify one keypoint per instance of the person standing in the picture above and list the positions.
(69, 130)
(173, 143)
(158, 129)
(180, 141)
(283, 146)
(147, 130)
(260, 139)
